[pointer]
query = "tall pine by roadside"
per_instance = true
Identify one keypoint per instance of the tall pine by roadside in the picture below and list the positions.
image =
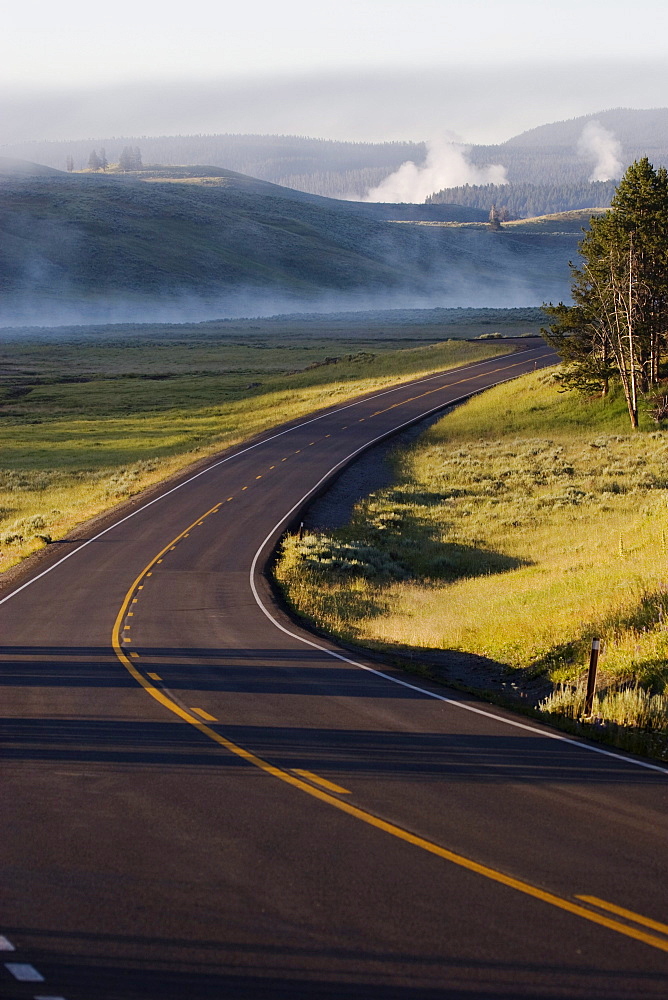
(617, 327)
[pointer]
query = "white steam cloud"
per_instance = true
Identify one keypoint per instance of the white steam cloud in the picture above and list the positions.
(445, 166)
(599, 144)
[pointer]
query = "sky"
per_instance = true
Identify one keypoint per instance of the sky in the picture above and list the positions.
(356, 69)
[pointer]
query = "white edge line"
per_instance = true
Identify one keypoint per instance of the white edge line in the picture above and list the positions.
(238, 454)
(397, 680)
(6, 944)
(24, 973)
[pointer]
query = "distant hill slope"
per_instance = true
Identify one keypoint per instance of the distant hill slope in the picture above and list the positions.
(635, 129)
(10, 167)
(117, 247)
(551, 154)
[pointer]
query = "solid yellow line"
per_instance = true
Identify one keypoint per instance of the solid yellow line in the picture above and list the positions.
(321, 781)
(629, 914)
(155, 677)
(204, 715)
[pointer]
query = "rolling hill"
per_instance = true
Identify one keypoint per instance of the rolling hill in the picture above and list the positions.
(168, 244)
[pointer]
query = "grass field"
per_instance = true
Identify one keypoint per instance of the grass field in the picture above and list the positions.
(522, 525)
(91, 417)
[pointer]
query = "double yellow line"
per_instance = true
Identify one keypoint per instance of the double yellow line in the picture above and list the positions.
(622, 921)
(632, 925)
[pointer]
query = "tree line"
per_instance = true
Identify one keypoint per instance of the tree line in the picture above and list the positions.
(523, 201)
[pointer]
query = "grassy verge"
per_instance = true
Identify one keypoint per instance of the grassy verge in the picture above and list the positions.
(522, 525)
(86, 423)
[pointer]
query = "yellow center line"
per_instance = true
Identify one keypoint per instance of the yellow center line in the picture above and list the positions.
(155, 677)
(258, 477)
(526, 888)
(309, 787)
(244, 488)
(439, 388)
(135, 655)
(272, 466)
(228, 499)
(628, 914)
(329, 785)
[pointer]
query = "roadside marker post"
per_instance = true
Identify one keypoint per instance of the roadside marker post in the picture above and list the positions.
(591, 678)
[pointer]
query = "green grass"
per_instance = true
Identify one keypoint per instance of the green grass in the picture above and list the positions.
(521, 526)
(85, 424)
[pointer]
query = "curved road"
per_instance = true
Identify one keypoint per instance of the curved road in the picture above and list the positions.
(202, 800)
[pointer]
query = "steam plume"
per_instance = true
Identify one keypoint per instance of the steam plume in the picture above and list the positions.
(446, 166)
(597, 142)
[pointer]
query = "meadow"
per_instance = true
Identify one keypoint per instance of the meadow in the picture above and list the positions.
(522, 525)
(90, 417)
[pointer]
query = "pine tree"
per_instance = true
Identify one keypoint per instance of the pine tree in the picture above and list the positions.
(619, 322)
(93, 161)
(104, 163)
(69, 163)
(130, 158)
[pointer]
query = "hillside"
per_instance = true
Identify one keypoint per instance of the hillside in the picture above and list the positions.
(96, 247)
(11, 167)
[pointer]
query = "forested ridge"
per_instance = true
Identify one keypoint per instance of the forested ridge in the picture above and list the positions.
(523, 201)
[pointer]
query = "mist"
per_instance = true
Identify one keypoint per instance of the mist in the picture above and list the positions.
(483, 104)
(599, 144)
(446, 165)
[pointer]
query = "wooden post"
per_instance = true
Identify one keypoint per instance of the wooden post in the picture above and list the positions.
(591, 679)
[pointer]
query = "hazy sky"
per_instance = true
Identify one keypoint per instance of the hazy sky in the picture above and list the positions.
(360, 69)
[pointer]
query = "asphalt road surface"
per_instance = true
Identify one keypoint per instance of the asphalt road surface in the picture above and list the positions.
(201, 799)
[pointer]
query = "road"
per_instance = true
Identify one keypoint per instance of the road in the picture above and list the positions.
(204, 800)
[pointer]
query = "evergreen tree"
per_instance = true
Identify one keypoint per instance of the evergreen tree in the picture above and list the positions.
(69, 163)
(104, 163)
(93, 161)
(619, 322)
(130, 158)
